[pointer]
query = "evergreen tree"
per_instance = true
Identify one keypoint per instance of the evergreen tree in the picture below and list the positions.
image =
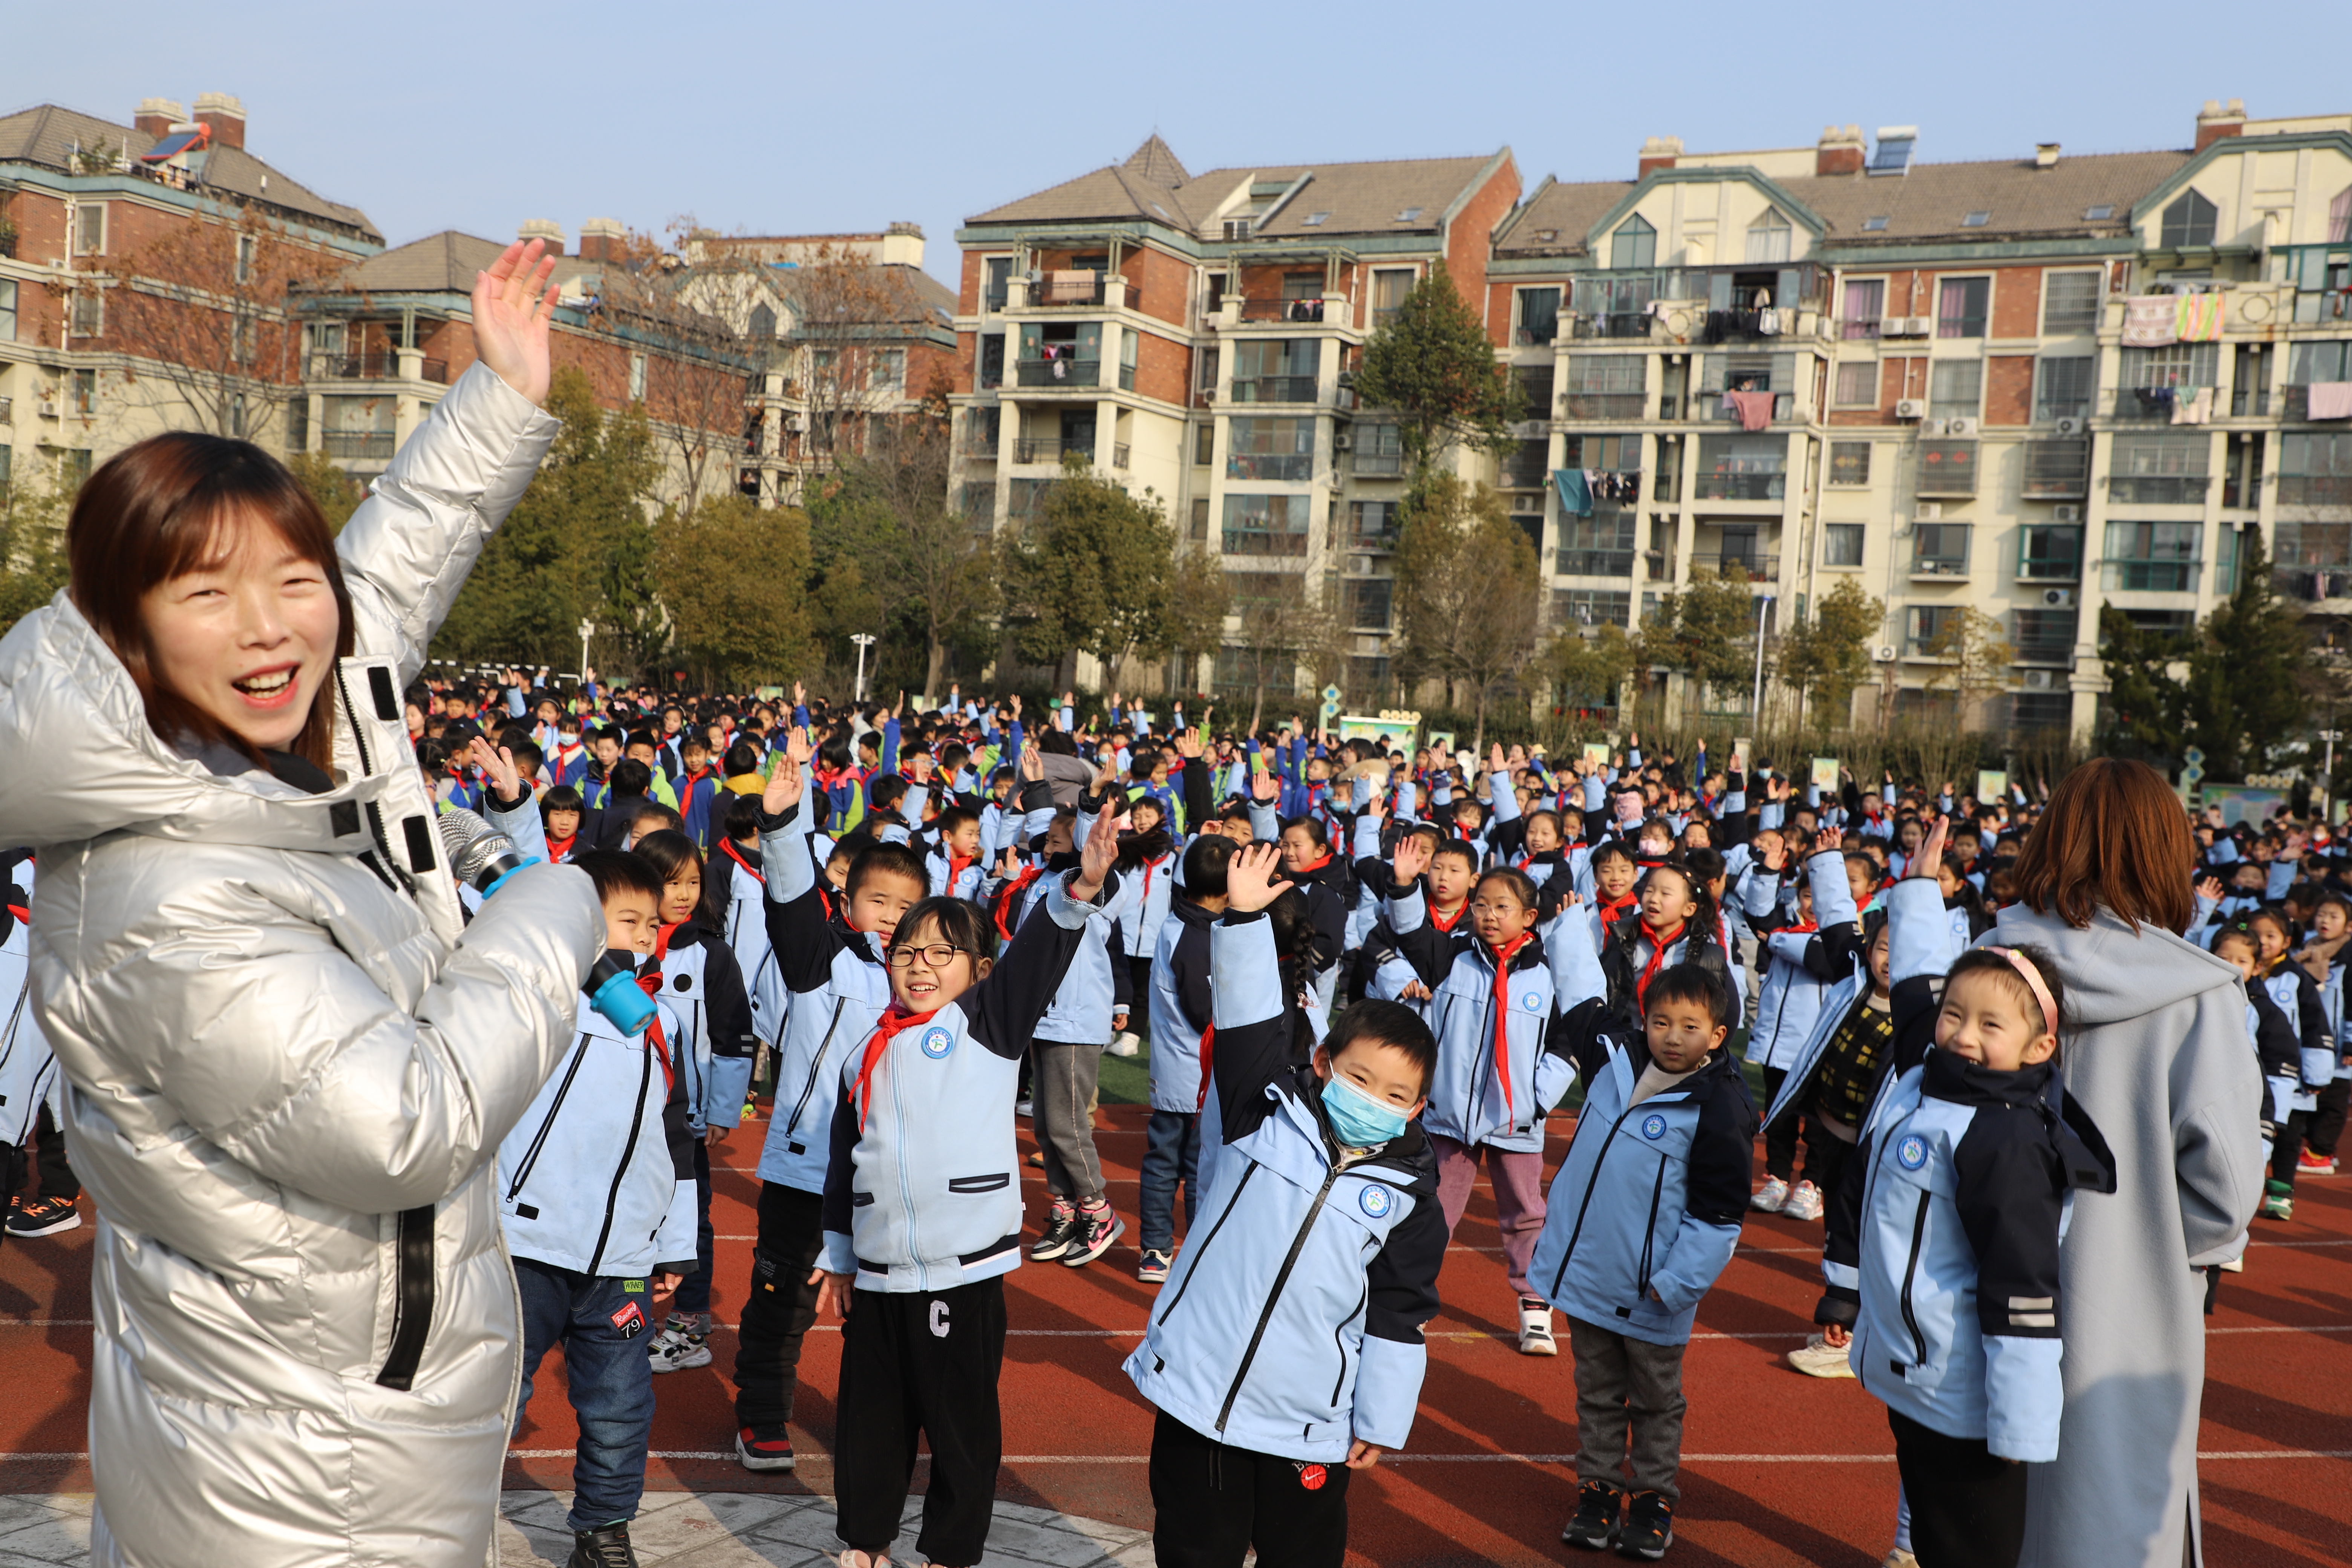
(1090, 574)
(1705, 633)
(1433, 364)
(1827, 655)
(2243, 699)
(733, 577)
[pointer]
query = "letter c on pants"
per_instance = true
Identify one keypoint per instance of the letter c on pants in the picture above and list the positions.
(939, 1319)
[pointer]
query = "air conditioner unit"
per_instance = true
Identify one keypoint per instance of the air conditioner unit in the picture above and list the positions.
(1961, 425)
(1902, 327)
(1911, 408)
(797, 424)
(1343, 442)
(1208, 394)
(2069, 511)
(2069, 426)
(2058, 599)
(1347, 378)
(1916, 326)
(1932, 426)
(1883, 653)
(51, 408)
(2041, 681)
(1928, 511)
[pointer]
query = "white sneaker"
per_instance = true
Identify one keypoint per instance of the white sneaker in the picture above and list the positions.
(1804, 1201)
(1818, 1358)
(2235, 1266)
(1125, 1044)
(1535, 1328)
(1024, 1108)
(1771, 1197)
(677, 1350)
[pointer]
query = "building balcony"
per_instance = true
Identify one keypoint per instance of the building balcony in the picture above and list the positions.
(1607, 324)
(1614, 405)
(1074, 290)
(2043, 650)
(2315, 489)
(1755, 568)
(1940, 568)
(2149, 403)
(378, 367)
(2311, 586)
(1519, 476)
(1120, 453)
(1731, 486)
(1051, 373)
(359, 446)
(2131, 576)
(2057, 470)
(2158, 490)
(1302, 311)
(1784, 408)
(1596, 563)
(1050, 450)
(1280, 467)
(1377, 464)
(1273, 389)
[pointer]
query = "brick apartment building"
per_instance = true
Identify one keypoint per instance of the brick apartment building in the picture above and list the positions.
(1197, 336)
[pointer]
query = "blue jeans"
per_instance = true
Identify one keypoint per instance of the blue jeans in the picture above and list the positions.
(1171, 1153)
(611, 1380)
(694, 1295)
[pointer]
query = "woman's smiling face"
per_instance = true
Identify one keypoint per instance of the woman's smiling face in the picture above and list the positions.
(248, 635)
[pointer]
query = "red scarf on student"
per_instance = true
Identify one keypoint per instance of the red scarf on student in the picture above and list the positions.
(1315, 866)
(557, 848)
(1659, 942)
(1208, 1058)
(956, 866)
(1010, 903)
(1448, 923)
(892, 1022)
(1615, 909)
(727, 847)
(650, 983)
(1503, 1017)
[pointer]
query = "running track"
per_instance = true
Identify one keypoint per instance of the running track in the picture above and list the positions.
(1780, 1469)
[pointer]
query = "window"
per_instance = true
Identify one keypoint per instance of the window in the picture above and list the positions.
(1314, 220)
(73, 468)
(1591, 607)
(89, 228)
(1858, 383)
(1947, 468)
(1841, 543)
(247, 247)
(1768, 237)
(2303, 548)
(762, 323)
(1893, 154)
(2032, 711)
(2057, 470)
(1742, 468)
(1201, 520)
(1265, 525)
(1204, 445)
(1634, 246)
(1369, 602)
(1873, 225)
(2044, 636)
(1277, 370)
(2339, 217)
(1955, 386)
(7, 309)
(298, 424)
(243, 329)
(1605, 386)
(2103, 213)
(2161, 470)
(2188, 221)
(2318, 362)
(88, 313)
(82, 392)
(2152, 557)
(997, 285)
(1607, 454)
(1976, 220)
(236, 414)
(1271, 449)
(1389, 286)
(1939, 550)
(2315, 469)
(886, 371)
(1962, 305)
(1374, 524)
(2175, 364)
(2070, 302)
(1026, 500)
(1928, 626)
(1597, 546)
(1850, 462)
(1206, 362)
(7, 459)
(2050, 553)
(2061, 386)
(1865, 301)
(978, 504)
(1130, 344)
(1380, 449)
(636, 378)
(1539, 315)
(991, 359)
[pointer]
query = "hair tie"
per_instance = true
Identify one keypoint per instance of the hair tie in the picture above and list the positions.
(2024, 966)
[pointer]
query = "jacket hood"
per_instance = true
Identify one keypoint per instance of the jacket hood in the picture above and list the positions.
(92, 764)
(2111, 973)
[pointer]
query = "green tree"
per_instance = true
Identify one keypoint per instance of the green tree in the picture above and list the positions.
(1433, 364)
(2241, 699)
(32, 548)
(1197, 604)
(1468, 590)
(1705, 631)
(2147, 697)
(338, 494)
(1090, 573)
(1590, 668)
(1827, 655)
(734, 579)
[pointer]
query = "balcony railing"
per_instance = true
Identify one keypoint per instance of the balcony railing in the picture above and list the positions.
(373, 367)
(1859, 328)
(1060, 372)
(1726, 326)
(1742, 486)
(1050, 450)
(2311, 586)
(2141, 577)
(1519, 476)
(2148, 402)
(1755, 568)
(1614, 324)
(361, 444)
(1939, 565)
(1289, 467)
(993, 300)
(1377, 465)
(1057, 289)
(1282, 309)
(1536, 334)
(1379, 537)
(1604, 405)
(6, 406)
(1119, 453)
(1275, 389)
(2158, 490)
(1596, 563)
(2057, 470)
(2041, 649)
(2315, 489)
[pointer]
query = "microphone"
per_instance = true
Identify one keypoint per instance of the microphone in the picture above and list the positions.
(613, 990)
(480, 855)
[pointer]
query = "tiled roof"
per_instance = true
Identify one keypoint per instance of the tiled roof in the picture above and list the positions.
(442, 263)
(2018, 200)
(1566, 212)
(47, 136)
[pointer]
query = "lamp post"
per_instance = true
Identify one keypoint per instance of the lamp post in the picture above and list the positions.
(1756, 699)
(863, 641)
(587, 629)
(2327, 775)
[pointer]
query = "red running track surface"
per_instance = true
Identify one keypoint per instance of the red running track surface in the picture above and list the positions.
(1780, 1469)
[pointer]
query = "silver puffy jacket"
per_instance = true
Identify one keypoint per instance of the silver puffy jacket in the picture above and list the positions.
(288, 1069)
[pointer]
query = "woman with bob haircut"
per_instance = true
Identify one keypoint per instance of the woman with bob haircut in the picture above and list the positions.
(2163, 1065)
(289, 1061)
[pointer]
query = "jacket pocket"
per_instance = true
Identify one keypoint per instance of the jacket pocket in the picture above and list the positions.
(1910, 1275)
(860, 1200)
(994, 1183)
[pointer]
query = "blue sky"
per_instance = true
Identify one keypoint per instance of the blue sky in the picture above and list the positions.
(802, 119)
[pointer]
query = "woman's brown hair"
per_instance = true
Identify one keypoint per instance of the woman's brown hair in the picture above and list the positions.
(2114, 835)
(168, 506)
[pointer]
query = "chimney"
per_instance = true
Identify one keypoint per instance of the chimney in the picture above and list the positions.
(603, 239)
(1839, 152)
(2045, 154)
(1658, 153)
(156, 117)
(542, 228)
(224, 115)
(2215, 122)
(902, 245)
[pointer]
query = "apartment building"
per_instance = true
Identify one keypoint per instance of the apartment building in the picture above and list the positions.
(1196, 337)
(141, 281)
(2035, 387)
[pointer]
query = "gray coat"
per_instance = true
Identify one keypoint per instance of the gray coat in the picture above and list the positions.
(2163, 1065)
(289, 1072)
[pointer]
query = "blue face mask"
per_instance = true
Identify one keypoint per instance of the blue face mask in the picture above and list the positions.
(1357, 1118)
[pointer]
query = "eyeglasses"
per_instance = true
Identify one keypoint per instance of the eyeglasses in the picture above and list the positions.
(937, 954)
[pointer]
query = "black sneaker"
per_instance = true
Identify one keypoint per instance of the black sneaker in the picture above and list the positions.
(763, 1448)
(607, 1546)
(1061, 1226)
(1595, 1524)
(1098, 1229)
(42, 1216)
(1649, 1527)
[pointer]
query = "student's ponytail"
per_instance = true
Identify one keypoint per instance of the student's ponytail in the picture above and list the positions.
(1293, 950)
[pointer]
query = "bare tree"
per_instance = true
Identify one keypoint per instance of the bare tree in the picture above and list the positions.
(1286, 623)
(851, 322)
(696, 302)
(910, 543)
(1973, 659)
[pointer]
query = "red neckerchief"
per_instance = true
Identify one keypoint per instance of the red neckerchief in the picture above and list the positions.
(1316, 866)
(1659, 942)
(1448, 923)
(727, 847)
(956, 866)
(1208, 1059)
(885, 1031)
(1611, 908)
(1015, 892)
(650, 983)
(1503, 1017)
(557, 848)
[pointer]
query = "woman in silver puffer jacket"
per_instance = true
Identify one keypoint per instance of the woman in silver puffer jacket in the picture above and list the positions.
(289, 1061)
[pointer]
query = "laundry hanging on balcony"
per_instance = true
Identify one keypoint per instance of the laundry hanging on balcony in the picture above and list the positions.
(2152, 321)
(2200, 319)
(1575, 492)
(2328, 400)
(1753, 409)
(2195, 408)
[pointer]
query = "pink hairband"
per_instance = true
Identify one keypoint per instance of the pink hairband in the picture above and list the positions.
(2024, 966)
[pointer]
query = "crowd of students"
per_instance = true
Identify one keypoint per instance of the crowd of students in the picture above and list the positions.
(1363, 970)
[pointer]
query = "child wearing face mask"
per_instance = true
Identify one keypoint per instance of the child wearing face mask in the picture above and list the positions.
(597, 1190)
(922, 1210)
(1943, 1250)
(1322, 1234)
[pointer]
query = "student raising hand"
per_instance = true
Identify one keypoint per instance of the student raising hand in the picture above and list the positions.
(1249, 879)
(1411, 859)
(784, 785)
(1264, 785)
(1099, 854)
(1930, 853)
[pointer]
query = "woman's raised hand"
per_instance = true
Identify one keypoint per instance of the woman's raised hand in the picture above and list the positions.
(512, 308)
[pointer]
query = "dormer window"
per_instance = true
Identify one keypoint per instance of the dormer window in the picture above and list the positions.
(1873, 225)
(2190, 222)
(1768, 236)
(1633, 246)
(1409, 214)
(1976, 220)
